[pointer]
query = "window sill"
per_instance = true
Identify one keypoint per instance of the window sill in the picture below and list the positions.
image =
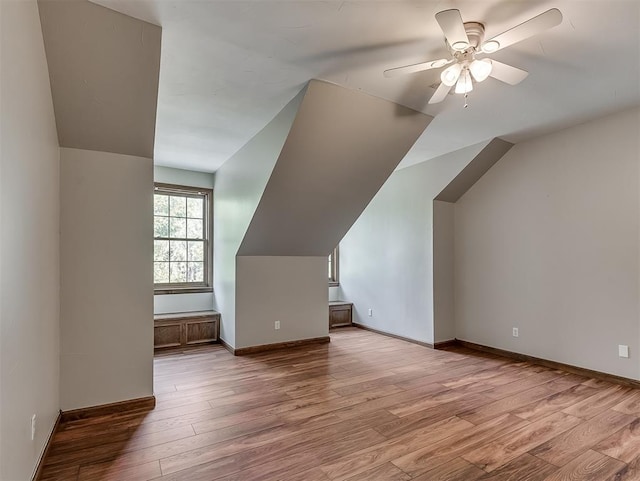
(182, 290)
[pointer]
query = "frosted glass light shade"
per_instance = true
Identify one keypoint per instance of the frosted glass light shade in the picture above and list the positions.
(490, 46)
(449, 76)
(464, 84)
(481, 69)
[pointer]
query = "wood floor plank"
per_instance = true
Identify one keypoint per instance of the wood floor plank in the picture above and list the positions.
(623, 444)
(386, 471)
(313, 474)
(456, 470)
(510, 403)
(274, 464)
(387, 451)
(510, 446)
(603, 400)
(630, 404)
(364, 406)
(107, 472)
(66, 473)
(565, 447)
(433, 455)
(519, 384)
(630, 472)
(273, 443)
(426, 417)
(555, 402)
(524, 468)
(589, 466)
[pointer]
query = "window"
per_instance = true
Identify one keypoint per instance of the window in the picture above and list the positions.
(181, 239)
(333, 268)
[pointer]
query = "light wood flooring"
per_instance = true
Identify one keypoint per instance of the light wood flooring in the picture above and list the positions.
(365, 407)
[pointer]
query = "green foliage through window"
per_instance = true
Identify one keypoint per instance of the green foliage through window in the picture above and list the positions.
(180, 237)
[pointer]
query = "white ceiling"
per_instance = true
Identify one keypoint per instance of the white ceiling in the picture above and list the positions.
(228, 67)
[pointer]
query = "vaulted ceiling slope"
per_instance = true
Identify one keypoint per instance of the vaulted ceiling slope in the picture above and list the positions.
(341, 148)
(104, 72)
(476, 168)
(229, 66)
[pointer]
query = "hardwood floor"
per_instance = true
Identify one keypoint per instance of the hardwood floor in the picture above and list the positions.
(364, 407)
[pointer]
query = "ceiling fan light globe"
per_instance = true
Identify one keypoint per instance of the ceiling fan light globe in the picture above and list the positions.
(481, 69)
(449, 76)
(464, 84)
(490, 46)
(460, 45)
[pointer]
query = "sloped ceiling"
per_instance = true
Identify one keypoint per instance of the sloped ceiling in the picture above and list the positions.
(104, 70)
(341, 148)
(479, 165)
(229, 66)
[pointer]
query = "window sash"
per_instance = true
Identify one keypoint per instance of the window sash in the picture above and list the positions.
(334, 276)
(196, 193)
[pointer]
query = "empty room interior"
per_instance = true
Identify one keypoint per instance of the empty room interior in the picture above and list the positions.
(319, 240)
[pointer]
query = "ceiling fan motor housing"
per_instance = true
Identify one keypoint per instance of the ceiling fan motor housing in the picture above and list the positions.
(475, 34)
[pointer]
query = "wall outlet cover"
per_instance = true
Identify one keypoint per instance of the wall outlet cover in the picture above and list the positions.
(623, 351)
(516, 332)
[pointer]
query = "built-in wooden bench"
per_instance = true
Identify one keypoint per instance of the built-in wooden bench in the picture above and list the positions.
(339, 313)
(183, 329)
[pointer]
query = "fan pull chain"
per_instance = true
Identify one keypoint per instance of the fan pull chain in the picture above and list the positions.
(466, 95)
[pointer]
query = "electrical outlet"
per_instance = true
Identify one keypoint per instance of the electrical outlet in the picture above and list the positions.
(33, 427)
(516, 333)
(276, 325)
(370, 312)
(623, 351)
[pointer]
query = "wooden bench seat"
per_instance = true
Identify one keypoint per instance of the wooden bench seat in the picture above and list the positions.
(184, 329)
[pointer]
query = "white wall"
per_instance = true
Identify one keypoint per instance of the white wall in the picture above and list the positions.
(335, 293)
(106, 261)
(548, 241)
(183, 302)
(292, 290)
(386, 257)
(239, 184)
(29, 240)
(190, 178)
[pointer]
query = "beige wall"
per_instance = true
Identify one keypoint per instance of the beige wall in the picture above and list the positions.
(341, 148)
(443, 269)
(106, 260)
(292, 290)
(29, 243)
(386, 258)
(239, 184)
(547, 241)
(104, 68)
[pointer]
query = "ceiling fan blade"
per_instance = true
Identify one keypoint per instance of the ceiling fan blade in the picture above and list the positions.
(506, 73)
(451, 23)
(416, 67)
(440, 94)
(527, 29)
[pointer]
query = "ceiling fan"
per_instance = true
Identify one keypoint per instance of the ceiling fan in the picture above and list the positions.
(465, 41)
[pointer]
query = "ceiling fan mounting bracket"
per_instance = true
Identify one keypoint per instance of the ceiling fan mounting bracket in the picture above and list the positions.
(475, 34)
